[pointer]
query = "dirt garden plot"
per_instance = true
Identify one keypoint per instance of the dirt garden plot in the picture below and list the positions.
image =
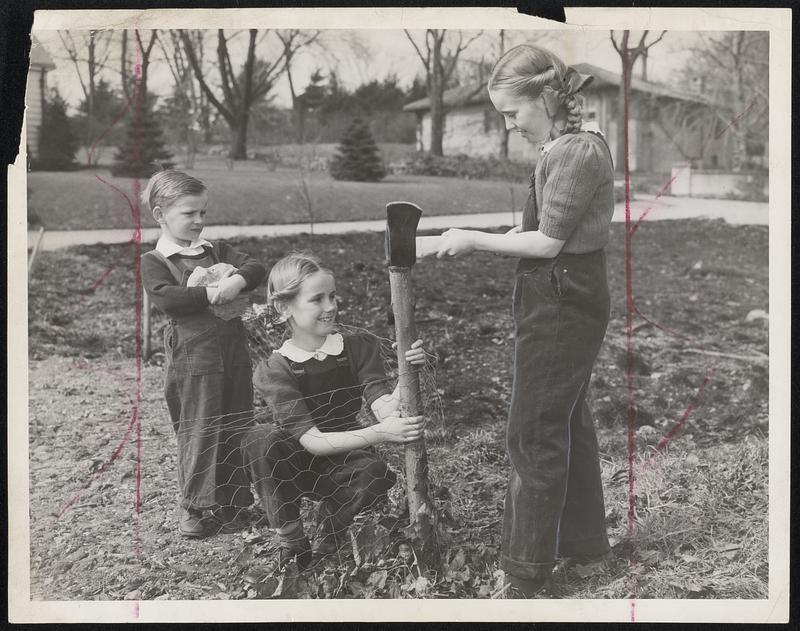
(701, 504)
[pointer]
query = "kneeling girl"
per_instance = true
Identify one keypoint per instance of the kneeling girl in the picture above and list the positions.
(314, 385)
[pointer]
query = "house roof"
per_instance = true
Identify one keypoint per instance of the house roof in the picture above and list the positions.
(476, 93)
(607, 77)
(40, 57)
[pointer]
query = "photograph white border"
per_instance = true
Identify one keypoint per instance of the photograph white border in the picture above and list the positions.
(775, 609)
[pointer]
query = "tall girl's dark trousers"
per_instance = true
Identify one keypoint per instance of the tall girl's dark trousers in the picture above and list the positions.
(554, 503)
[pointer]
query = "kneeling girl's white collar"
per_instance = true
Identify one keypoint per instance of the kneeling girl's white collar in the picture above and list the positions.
(333, 345)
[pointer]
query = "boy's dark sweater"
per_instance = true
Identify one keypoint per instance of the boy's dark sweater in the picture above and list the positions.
(175, 300)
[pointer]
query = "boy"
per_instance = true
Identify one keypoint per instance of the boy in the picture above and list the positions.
(208, 383)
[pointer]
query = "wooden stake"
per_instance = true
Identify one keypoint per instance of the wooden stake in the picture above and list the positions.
(421, 510)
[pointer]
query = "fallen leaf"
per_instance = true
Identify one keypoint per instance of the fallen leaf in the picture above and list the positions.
(421, 586)
(458, 560)
(378, 579)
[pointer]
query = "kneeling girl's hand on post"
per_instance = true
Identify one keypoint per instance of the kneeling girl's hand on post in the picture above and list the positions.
(399, 429)
(414, 355)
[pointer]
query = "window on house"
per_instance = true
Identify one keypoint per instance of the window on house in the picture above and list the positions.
(590, 114)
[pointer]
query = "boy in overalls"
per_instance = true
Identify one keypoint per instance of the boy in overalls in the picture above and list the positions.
(208, 384)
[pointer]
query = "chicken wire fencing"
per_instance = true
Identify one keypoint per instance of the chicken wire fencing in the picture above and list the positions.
(249, 468)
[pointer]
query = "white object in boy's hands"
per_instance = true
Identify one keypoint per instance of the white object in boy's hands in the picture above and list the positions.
(428, 245)
(211, 277)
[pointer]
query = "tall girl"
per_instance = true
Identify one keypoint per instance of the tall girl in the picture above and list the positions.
(554, 502)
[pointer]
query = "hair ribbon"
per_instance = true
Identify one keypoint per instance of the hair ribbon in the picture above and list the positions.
(560, 88)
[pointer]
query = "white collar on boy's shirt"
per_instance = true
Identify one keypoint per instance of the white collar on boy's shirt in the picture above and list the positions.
(168, 247)
(587, 126)
(333, 345)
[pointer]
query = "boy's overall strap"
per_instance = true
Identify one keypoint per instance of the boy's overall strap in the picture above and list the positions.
(213, 251)
(174, 270)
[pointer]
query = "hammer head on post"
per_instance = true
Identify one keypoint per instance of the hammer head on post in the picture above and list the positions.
(402, 219)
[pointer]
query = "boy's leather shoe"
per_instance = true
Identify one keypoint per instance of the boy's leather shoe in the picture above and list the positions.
(191, 523)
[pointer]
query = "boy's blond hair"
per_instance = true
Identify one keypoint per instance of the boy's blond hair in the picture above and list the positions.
(168, 185)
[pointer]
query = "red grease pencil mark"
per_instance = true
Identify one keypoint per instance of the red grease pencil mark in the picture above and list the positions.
(666, 186)
(631, 308)
(137, 284)
(117, 117)
(709, 370)
(134, 426)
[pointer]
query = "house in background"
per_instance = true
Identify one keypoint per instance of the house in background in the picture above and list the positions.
(667, 126)
(36, 89)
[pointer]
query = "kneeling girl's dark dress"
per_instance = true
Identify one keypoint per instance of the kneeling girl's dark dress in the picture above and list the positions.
(328, 394)
(554, 503)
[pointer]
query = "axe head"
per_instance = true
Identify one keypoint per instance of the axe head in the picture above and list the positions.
(401, 233)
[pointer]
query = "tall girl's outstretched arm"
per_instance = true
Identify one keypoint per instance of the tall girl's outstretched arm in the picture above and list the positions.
(532, 244)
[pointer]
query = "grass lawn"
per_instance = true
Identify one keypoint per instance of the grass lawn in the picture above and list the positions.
(700, 507)
(251, 194)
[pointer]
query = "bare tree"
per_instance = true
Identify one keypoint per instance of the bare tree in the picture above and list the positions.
(293, 42)
(688, 125)
(439, 64)
(629, 55)
(239, 91)
(735, 66)
(92, 50)
(193, 103)
(143, 52)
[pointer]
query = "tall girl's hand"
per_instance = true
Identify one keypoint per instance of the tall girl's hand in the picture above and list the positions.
(515, 230)
(396, 429)
(456, 242)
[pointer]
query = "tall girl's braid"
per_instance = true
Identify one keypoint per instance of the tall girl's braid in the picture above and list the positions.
(574, 116)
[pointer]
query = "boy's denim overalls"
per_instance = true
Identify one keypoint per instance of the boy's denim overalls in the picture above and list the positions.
(209, 392)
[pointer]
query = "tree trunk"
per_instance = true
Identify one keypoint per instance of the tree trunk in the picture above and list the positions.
(123, 65)
(644, 65)
(436, 96)
(739, 126)
(297, 107)
(92, 156)
(505, 133)
(205, 108)
(239, 147)
(622, 123)
(504, 143)
(239, 134)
